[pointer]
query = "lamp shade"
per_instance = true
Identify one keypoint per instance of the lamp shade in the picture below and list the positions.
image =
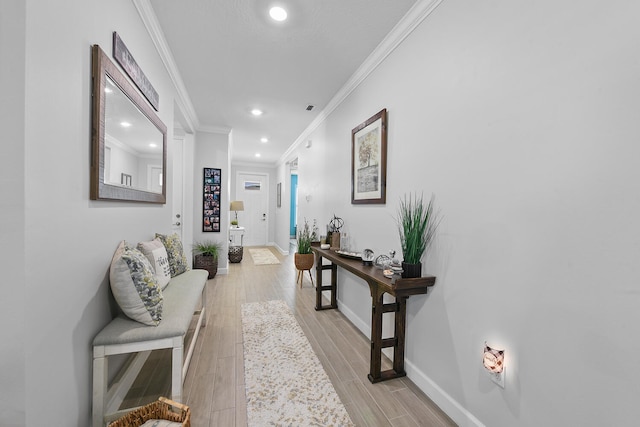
(237, 205)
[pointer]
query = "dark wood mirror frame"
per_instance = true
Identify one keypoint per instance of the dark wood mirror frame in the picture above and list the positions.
(102, 67)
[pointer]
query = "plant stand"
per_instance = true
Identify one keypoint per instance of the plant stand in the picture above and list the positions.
(303, 262)
(301, 277)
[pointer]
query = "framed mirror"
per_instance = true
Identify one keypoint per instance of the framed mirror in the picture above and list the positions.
(128, 139)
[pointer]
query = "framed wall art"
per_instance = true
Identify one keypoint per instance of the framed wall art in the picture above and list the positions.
(279, 194)
(369, 160)
(211, 200)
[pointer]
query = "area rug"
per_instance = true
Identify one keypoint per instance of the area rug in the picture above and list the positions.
(262, 256)
(285, 383)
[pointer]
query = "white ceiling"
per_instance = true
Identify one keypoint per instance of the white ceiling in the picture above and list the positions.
(232, 58)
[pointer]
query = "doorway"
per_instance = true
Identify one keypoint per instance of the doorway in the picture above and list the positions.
(293, 214)
(253, 190)
(177, 224)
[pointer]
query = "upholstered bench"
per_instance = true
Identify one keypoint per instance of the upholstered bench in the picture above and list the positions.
(123, 335)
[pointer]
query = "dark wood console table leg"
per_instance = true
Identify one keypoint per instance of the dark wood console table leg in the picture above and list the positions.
(378, 308)
(320, 287)
(400, 327)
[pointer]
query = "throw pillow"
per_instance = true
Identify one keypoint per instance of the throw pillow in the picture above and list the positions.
(134, 285)
(157, 256)
(177, 259)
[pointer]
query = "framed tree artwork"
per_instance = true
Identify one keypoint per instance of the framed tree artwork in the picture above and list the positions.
(369, 160)
(211, 200)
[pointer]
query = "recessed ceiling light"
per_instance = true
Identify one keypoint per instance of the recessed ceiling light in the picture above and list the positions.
(107, 90)
(153, 145)
(257, 154)
(125, 124)
(256, 112)
(263, 139)
(277, 13)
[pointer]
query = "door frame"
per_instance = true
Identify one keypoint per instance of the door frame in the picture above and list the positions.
(267, 177)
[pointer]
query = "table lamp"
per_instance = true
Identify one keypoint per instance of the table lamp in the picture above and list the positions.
(236, 205)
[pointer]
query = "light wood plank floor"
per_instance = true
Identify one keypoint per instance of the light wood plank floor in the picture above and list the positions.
(214, 387)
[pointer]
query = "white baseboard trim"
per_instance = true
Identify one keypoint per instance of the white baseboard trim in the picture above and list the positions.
(279, 249)
(363, 326)
(448, 404)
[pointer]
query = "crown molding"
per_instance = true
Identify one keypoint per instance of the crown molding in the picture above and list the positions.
(215, 129)
(150, 20)
(418, 12)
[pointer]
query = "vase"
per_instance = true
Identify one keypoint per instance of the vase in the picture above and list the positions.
(411, 270)
(335, 240)
(206, 262)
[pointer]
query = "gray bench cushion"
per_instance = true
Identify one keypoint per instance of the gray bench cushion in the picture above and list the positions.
(180, 298)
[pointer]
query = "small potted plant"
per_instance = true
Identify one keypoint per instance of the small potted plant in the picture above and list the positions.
(417, 224)
(303, 258)
(206, 256)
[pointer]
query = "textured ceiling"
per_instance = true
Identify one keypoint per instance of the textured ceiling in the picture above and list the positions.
(232, 58)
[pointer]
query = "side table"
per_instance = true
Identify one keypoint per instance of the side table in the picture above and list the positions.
(236, 236)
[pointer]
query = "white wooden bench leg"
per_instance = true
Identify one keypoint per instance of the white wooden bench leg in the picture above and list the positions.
(204, 305)
(100, 368)
(176, 370)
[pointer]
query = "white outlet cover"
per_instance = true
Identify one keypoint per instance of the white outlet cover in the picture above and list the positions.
(497, 378)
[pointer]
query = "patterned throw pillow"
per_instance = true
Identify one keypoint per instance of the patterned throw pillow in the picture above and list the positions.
(177, 259)
(157, 256)
(134, 285)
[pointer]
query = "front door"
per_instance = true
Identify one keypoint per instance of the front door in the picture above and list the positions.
(253, 190)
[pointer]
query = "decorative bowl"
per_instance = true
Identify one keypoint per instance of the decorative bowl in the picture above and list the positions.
(325, 246)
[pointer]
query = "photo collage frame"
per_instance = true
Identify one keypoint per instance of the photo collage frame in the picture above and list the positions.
(211, 200)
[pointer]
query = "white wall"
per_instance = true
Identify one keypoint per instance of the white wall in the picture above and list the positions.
(212, 151)
(69, 240)
(521, 118)
(12, 210)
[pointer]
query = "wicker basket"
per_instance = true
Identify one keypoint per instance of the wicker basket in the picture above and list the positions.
(206, 262)
(303, 261)
(235, 253)
(162, 409)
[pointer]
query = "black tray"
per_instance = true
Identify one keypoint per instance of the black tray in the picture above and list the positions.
(348, 255)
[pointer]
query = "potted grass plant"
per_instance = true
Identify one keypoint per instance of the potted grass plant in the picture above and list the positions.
(303, 258)
(206, 255)
(417, 224)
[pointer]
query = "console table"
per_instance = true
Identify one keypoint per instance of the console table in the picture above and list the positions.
(400, 288)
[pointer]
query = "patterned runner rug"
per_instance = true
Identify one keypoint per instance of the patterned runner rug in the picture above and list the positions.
(285, 382)
(262, 256)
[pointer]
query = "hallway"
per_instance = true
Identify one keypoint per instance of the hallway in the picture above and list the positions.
(214, 387)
